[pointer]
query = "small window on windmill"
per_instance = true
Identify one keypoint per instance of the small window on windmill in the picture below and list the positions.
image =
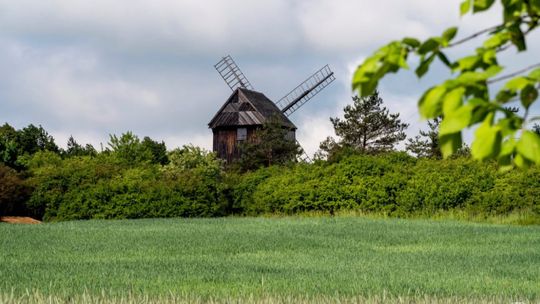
(290, 136)
(241, 134)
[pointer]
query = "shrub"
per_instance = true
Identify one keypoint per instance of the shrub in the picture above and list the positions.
(356, 182)
(394, 184)
(193, 184)
(14, 192)
(103, 187)
(514, 191)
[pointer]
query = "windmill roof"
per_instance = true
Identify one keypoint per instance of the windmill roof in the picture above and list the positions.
(248, 108)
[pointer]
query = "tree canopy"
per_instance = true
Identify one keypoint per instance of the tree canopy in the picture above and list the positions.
(272, 145)
(367, 127)
(17, 143)
(426, 144)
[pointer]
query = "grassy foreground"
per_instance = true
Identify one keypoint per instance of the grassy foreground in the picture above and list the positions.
(272, 260)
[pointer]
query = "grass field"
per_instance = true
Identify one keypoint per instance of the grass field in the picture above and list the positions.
(261, 258)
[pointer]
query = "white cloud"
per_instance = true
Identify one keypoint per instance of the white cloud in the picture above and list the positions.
(312, 131)
(353, 25)
(91, 68)
(202, 140)
(162, 26)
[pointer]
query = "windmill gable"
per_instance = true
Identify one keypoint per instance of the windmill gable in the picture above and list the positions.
(248, 108)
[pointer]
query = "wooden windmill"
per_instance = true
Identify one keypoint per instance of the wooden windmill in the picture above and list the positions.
(246, 110)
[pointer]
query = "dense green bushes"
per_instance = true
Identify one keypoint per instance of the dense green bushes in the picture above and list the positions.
(393, 184)
(108, 186)
(193, 183)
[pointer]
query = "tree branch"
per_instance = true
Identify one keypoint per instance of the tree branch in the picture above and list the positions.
(514, 74)
(471, 37)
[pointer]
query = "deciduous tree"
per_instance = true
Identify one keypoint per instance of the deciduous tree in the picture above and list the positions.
(33, 139)
(157, 149)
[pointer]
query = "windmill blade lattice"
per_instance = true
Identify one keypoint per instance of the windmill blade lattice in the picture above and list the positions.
(232, 74)
(303, 157)
(306, 90)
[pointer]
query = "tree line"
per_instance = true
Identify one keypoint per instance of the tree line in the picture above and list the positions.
(358, 170)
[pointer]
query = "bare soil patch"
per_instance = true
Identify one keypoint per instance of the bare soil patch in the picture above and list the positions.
(19, 220)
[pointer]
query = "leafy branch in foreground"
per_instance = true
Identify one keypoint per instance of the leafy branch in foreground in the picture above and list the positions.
(465, 100)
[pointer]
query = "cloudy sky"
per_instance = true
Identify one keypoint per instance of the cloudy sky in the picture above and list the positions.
(94, 68)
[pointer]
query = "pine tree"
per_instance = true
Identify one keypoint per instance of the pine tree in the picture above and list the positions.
(367, 127)
(75, 149)
(427, 143)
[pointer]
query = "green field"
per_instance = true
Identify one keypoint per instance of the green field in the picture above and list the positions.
(265, 258)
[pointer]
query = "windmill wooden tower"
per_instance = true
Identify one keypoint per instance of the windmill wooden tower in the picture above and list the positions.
(246, 110)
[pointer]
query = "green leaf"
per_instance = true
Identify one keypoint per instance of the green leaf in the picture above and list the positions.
(444, 59)
(368, 88)
(505, 158)
(522, 162)
(481, 110)
(412, 42)
(358, 78)
(504, 96)
(508, 147)
(424, 66)
(468, 63)
(528, 95)
(366, 76)
(429, 45)
(465, 7)
(430, 103)
(535, 4)
(510, 125)
(470, 78)
(396, 55)
(489, 56)
(518, 38)
(535, 74)
(449, 34)
(487, 142)
(450, 143)
(505, 164)
(497, 40)
(517, 84)
(512, 10)
(457, 120)
(493, 70)
(482, 5)
(453, 100)
(529, 146)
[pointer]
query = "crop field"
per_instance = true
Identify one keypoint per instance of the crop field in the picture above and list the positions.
(269, 259)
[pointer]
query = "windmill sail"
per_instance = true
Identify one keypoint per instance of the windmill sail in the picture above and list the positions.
(303, 157)
(232, 74)
(306, 90)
